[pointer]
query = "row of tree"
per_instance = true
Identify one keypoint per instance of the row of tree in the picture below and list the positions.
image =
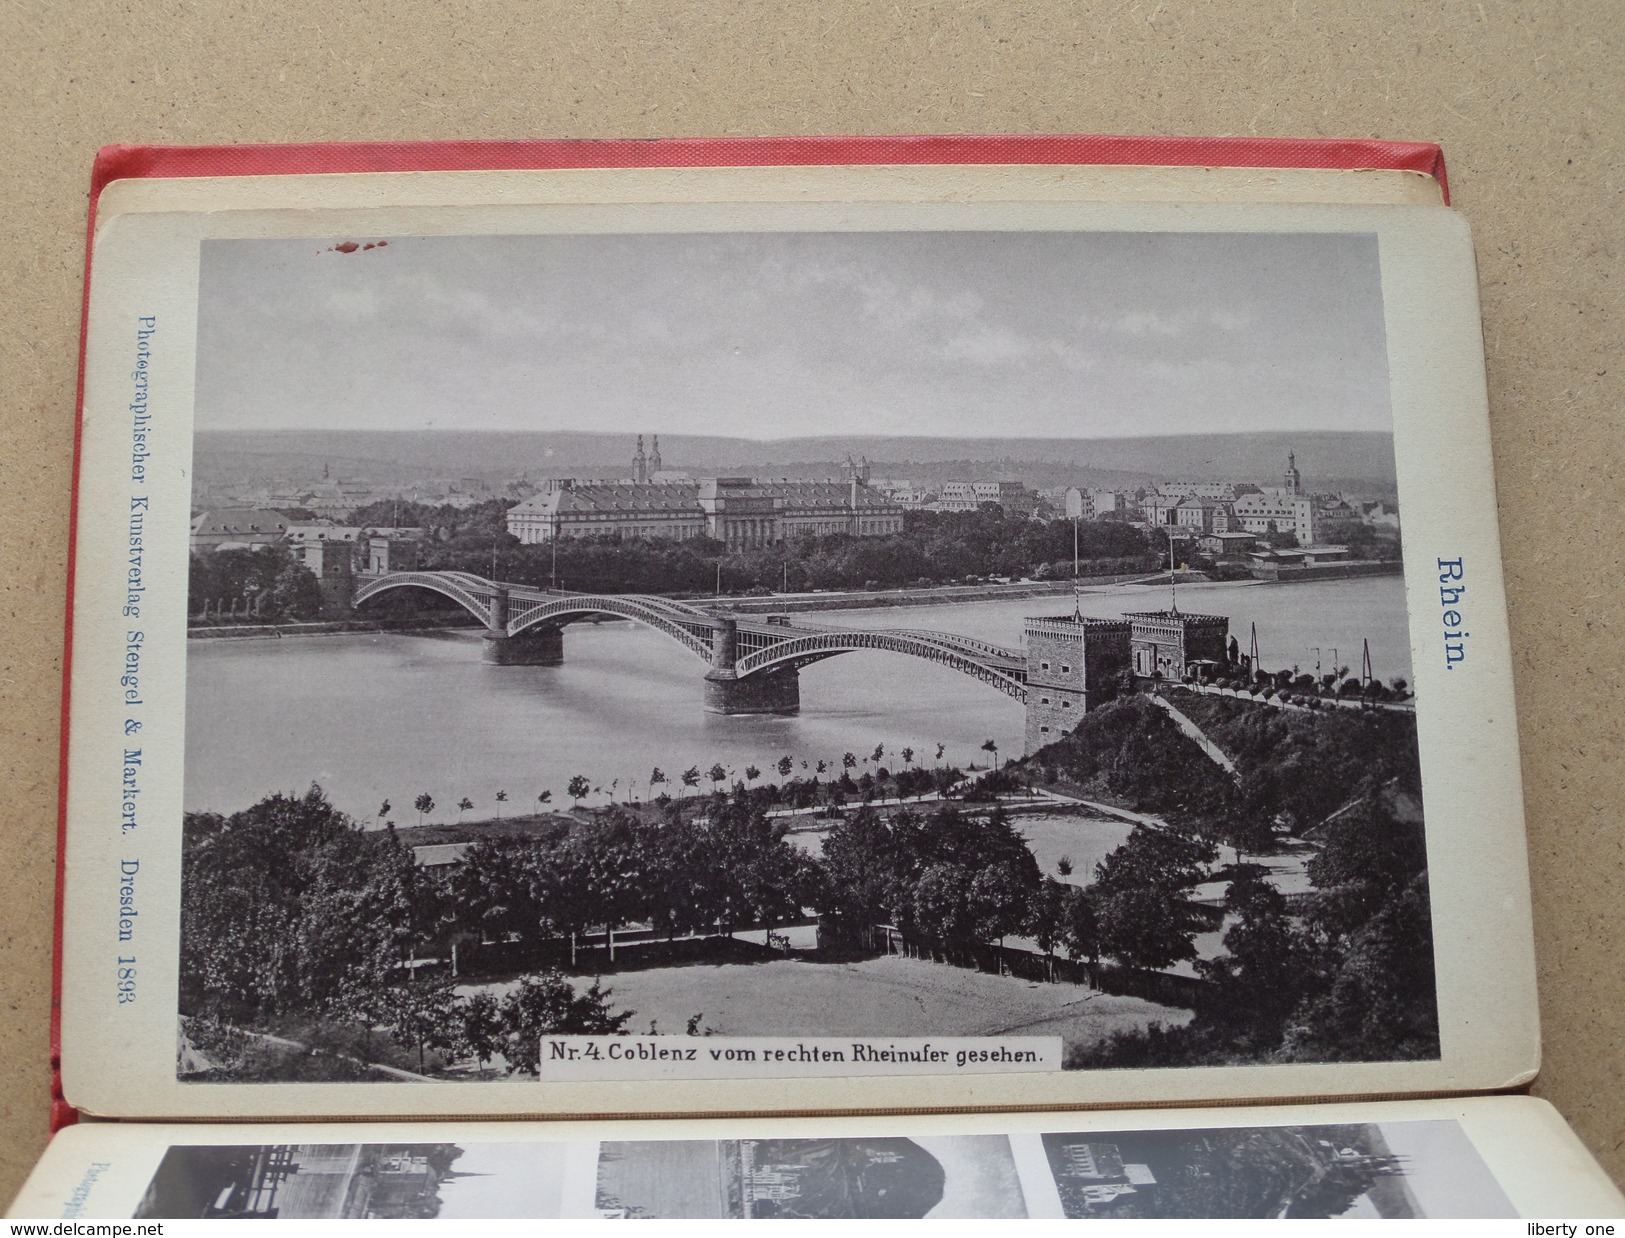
(266, 581)
(933, 548)
(879, 782)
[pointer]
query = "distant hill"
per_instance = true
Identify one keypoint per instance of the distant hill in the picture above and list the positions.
(1356, 462)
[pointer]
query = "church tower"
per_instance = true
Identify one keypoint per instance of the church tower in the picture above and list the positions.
(640, 466)
(1294, 483)
(654, 458)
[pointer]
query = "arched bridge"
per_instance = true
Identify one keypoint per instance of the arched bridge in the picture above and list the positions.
(753, 663)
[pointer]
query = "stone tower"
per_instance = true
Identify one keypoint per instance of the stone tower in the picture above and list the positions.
(654, 458)
(1072, 666)
(640, 465)
(1294, 483)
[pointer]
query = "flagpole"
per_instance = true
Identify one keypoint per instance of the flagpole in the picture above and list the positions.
(1173, 585)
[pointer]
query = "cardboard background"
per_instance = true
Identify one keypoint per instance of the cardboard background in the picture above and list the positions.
(1523, 100)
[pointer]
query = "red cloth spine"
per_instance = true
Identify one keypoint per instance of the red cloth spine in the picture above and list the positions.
(115, 162)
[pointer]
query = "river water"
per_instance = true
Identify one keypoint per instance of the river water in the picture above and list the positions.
(376, 717)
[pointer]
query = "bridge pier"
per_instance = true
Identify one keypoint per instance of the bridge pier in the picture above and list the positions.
(766, 692)
(538, 646)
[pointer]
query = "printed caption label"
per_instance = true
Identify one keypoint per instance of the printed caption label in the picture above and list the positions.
(567, 1059)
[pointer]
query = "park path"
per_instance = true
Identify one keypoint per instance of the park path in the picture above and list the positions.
(1109, 810)
(1197, 736)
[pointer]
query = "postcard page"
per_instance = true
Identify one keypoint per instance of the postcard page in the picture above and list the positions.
(889, 648)
(1488, 1157)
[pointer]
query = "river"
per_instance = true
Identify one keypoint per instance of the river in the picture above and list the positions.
(387, 717)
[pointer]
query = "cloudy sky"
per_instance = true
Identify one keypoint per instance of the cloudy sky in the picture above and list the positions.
(769, 335)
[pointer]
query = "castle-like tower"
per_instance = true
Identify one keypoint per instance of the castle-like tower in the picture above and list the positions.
(1294, 483)
(640, 465)
(654, 457)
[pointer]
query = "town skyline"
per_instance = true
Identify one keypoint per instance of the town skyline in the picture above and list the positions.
(1359, 463)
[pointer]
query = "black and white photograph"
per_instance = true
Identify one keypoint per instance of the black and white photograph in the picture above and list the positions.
(939, 1177)
(350, 1181)
(747, 634)
(1364, 1170)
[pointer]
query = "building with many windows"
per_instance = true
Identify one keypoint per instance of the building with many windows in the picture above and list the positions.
(741, 512)
(1211, 508)
(968, 496)
(234, 528)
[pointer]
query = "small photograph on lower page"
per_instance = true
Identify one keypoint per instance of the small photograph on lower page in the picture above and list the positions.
(1368, 1169)
(947, 1176)
(348, 1181)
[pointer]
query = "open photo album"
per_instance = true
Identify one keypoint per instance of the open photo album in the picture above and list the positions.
(878, 629)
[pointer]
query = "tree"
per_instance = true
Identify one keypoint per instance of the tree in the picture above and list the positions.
(861, 870)
(502, 798)
(785, 766)
(1046, 915)
(242, 882)
(1080, 926)
(383, 810)
(424, 804)
(849, 762)
(546, 797)
(752, 773)
(1372, 938)
(1259, 981)
(1001, 899)
(755, 876)
(717, 774)
(1140, 896)
(908, 758)
(691, 777)
(991, 746)
(463, 805)
(1380, 1001)
(494, 890)
(481, 1030)
(579, 786)
(1144, 926)
(548, 1004)
(880, 751)
(657, 777)
(361, 916)
(422, 1013)
(295, 593)
(940, 905)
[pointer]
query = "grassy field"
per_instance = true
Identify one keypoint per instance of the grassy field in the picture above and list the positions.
(889, 996)
(1085, 840)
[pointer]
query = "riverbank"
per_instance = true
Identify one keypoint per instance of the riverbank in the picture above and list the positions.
(933, 595)
(1284, 574)
(333, 627)
(863, 599)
